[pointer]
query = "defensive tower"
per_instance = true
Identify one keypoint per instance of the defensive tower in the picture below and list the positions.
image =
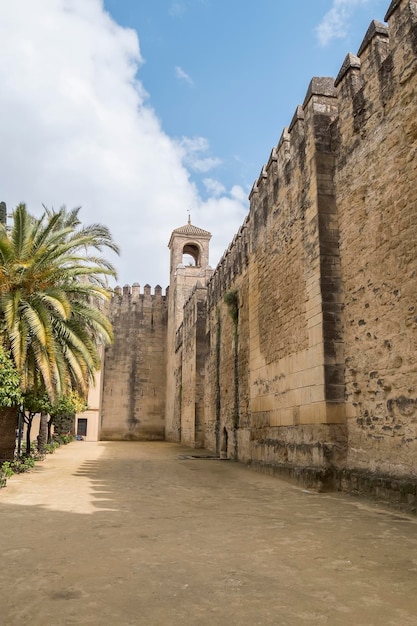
(189, 265)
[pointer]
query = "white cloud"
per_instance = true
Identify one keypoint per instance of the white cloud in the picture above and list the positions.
(181, 75)
(335, 23)
(221, 215)
(239, 194)
(194, 154)
(77, 128)
(214, 187)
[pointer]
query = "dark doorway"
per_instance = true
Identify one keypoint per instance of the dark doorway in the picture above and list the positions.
(82, 427)
(224, 446)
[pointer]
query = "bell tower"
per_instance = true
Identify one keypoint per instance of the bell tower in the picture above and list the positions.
(189, 265)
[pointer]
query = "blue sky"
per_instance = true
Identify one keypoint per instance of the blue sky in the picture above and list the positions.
(142, 110)
(233, 72)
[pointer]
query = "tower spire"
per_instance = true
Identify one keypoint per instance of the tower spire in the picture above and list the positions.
(189, 216)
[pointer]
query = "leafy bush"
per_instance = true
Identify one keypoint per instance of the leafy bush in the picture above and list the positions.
(51, 447)
(65, 439)
(18, 466)
(24, 464)
(6, 469)
(10, 393)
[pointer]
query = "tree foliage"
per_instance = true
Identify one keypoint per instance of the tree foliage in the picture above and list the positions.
(62, 412)
(10, 393)
(67, 405)
(53, 283)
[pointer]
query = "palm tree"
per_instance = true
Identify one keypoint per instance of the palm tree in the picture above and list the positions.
(53, 286)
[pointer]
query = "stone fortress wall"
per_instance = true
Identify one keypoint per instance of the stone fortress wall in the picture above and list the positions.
(312, 362)
(298, 354)
(134, 373)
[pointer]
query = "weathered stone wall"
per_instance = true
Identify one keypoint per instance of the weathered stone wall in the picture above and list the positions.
(227, 427)
(279, 395)
(183, 282)
(376, 175)
(134, 377)
(194, 353)
(174, 388)
(324, 270)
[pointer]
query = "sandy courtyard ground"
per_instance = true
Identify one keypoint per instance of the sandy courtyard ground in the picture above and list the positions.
(128, 534)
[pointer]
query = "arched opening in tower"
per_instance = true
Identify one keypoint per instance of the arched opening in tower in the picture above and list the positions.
(191, 255)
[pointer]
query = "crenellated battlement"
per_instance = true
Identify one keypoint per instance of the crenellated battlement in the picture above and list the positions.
(129, 298)
(368, 84)
(230, 266)
(348, 105)
(133, 291)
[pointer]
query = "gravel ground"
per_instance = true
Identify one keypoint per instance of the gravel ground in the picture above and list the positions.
(128, 534)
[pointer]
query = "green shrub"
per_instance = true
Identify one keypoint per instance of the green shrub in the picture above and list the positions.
(51, 447)
(10, 393)
(24, 464)
(65, 439)
(6, 469)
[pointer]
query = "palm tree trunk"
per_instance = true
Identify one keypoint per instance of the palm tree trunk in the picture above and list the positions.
(29, 420)
(8, 425)
(50, 423)
(43, 432)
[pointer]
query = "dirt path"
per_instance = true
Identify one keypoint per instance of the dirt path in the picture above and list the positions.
(128, 534)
